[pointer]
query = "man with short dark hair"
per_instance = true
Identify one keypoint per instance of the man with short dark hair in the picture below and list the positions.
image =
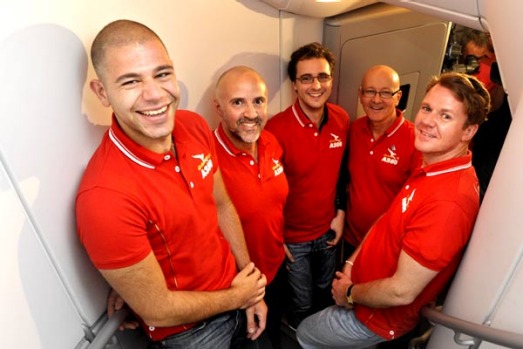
(313, 136)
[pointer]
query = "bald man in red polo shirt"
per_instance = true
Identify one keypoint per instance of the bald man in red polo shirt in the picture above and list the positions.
(250, 161)
(381, 153)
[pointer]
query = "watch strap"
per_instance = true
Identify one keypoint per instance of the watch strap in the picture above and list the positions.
(349, 295)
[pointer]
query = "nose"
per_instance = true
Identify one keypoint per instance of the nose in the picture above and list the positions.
(250, 111)
(151, 90)
(315, 82)
(426, 119)
(377, 97)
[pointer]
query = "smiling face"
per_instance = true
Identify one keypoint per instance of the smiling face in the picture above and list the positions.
(441, 131)
(312, 97)
(139, 83)
(380, 110)
(241, 102)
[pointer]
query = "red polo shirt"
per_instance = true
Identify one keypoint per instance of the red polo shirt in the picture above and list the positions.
(378, 168)
(431, 219)
(132, 201)
(258, 190)
(312, 159)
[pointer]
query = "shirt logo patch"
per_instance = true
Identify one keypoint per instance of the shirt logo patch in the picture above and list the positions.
(405, 202)
(335, 142)
(206, 165)
(277, 168)
(391, 157)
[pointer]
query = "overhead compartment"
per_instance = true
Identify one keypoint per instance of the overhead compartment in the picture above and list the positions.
(464, 12)
(412, 43)
(319, 9)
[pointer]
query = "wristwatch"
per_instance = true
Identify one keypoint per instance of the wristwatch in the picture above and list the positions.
(349, 296)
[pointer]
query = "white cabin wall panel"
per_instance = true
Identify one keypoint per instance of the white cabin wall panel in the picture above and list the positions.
(36, 311)
(204, 38)
(384, 34)
(506, 316)
(45, 136)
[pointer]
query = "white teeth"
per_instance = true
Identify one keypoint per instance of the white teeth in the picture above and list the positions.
(154, 112)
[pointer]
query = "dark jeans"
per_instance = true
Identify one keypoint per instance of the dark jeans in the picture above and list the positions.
(240, 340)
(310, 275)
(215, 333)
(277, 299)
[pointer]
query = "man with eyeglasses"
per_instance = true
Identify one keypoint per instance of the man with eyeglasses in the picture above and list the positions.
(488, 141)
(381, 153)
(313, 136)
(413, 250)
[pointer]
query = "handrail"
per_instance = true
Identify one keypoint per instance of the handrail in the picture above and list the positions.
(477, 332)
(106, 332)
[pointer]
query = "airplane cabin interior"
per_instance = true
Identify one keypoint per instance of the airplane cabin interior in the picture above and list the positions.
(53, 298)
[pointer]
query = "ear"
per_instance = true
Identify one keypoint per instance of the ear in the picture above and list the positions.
(398, 97)
(469, 132)
(360, 95)
(218, 108)
(99, 90)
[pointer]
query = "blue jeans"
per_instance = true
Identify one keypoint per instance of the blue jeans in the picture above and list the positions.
(335, 327)
(215, 333)
(311, 274)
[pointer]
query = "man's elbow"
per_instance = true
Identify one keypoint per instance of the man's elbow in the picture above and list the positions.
(404, 297)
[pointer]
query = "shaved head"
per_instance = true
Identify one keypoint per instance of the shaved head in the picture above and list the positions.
(118, 33)
(240, 101)
(383, 71)
(231, 75)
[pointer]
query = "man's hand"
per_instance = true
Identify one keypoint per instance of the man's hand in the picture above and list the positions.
(339, 289)
(337, 225)
(256, 320)
(250, 286)
(115, 303)
(288, 253)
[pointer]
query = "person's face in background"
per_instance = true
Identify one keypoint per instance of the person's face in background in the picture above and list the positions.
(313, 96)
(377, 108)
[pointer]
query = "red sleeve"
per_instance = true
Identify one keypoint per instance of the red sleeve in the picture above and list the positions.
(112, 228)
(437, 233)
